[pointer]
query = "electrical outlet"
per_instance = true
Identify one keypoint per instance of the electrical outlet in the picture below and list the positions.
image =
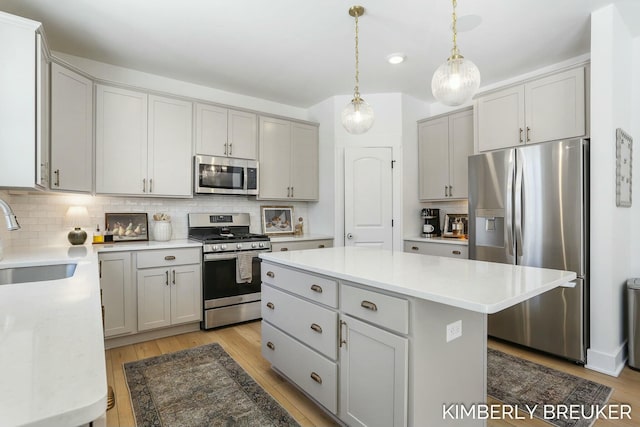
(454, 330)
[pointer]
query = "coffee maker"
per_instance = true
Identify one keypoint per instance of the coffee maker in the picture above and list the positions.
(431, 226)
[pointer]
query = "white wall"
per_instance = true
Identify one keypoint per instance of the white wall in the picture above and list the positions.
(635, 131)
(139, 79)
(612, 74)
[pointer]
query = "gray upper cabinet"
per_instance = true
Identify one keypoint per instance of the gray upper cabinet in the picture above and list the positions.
(444, 144)
(544, 109)
(71, 131)
(226, 132)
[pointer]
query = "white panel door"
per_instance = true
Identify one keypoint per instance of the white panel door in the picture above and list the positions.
(242, 135)
(154, 298)
(501, 119)
(304, 162)
(433, 151)
(275, 158)
(186, 298)
(211, 130)
(368, 197)
(460, 148)
(117, 293)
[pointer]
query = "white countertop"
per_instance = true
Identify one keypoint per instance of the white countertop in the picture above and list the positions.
(52, 360)
(439, 240)
(283, 239)
(479, 286)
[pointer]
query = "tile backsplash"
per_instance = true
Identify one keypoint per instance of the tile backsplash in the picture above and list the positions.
(42, 215)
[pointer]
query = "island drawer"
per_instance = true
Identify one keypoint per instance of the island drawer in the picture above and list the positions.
(312, 372)
(310, 323)
(168, 257)
(383, 310)
(316, 288)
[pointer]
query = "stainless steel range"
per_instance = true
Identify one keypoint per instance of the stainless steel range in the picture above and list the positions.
(230, 267)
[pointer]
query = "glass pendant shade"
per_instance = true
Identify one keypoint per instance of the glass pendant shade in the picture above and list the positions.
(455, 81)
(357, 116)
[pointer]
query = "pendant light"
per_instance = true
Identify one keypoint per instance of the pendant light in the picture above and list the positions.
(455, 81)
(357, 116)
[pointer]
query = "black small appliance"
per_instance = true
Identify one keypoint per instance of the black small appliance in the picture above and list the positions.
(431, 226)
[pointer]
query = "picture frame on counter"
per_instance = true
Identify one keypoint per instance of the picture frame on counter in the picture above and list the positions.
(624, 152)
(127, 227)
(277, 220)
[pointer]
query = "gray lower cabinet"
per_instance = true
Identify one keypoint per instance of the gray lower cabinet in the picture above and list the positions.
(450, 250)
(118, 299)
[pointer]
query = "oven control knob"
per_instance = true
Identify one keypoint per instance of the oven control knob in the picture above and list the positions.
(214, 247)
(261, 245)
(254, 245)
(239, 246)
(223, 247)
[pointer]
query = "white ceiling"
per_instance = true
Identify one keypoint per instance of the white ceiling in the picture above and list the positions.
(300, 52)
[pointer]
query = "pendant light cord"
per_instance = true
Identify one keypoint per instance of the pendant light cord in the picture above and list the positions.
(455, 53)
(356, 90)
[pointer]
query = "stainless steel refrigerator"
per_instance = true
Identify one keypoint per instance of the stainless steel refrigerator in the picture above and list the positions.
(529, 206)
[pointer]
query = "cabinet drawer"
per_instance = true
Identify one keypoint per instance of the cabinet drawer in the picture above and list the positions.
(384, 310)
(316, 288)
(310, 323)
(437, 249)
(306, 368)
(168, 257)
(305, 244)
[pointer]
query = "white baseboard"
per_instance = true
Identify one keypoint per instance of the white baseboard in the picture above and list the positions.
(607, 363)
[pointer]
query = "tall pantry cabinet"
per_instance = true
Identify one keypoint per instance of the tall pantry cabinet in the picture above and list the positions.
(143, 143)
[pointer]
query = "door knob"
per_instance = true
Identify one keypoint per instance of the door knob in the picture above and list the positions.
(349, 236)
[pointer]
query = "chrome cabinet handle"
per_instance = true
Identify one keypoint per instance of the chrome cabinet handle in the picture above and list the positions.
(169, 258)
(521, 141)
(450, 191)
(271, 274)
(456, 252)
(528, 136)
(57, 174)
(174, 277)
(151, 185)
(317, 328)
(316, 288)
(230, 149)
(415, 248)
(100, 269)
(341, 336)
(166, 280)
(271, 306)
(292, 192)
(369, 305)
(270, 345)
(144, 185)
(445, 191)
(316, 377)
(225, 149)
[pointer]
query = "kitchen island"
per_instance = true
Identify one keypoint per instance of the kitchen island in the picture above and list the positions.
(388, 338)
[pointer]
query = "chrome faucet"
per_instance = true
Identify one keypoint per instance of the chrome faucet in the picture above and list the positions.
(12, 221)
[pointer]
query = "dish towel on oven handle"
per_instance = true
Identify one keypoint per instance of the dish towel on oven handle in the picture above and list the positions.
(244, 268)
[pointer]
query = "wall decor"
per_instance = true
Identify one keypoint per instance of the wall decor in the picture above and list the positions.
(277, 220)
(127, 227)
(624, 152)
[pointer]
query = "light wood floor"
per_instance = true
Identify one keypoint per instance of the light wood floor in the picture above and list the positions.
(242, 342)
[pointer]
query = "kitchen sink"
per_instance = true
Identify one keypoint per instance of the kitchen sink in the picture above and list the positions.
(37, 273)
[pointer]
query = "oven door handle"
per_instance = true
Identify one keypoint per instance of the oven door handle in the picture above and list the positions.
(232, 255)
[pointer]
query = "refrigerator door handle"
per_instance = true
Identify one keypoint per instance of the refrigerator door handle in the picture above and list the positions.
(519, 209)
(508, 214)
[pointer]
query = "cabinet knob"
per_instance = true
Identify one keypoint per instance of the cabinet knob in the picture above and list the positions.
(316, 377)
(369, 305)
(316, 288)
(270, 345)
(415, 248)
(271, 306)
(456, 252)
(317, 328)
(271, 274)
(321, 246)
(284, 249)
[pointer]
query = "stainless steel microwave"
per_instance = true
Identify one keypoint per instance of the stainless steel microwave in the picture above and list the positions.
(224, 175)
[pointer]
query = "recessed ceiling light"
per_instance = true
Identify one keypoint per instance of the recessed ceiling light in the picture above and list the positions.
(396, 58)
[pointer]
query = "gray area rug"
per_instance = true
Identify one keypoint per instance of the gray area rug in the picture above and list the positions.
(201, 386)
(515, 381)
